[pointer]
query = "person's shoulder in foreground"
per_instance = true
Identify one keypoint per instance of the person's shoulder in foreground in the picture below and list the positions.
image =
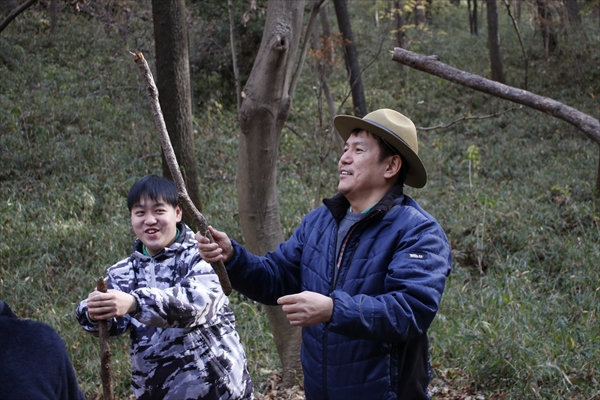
(34, 363)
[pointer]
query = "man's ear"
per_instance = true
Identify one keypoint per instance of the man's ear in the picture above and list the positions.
(178, 213)
(393, 166)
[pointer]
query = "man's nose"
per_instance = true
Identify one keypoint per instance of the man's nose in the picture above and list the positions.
(150, 219)
(345, 158)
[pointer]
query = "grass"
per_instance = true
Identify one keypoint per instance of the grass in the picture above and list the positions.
(519, 318)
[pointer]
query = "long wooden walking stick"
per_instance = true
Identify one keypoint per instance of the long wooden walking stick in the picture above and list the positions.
(167, 147)
(105, 354)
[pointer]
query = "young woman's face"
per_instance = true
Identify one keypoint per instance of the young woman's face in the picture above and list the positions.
(154, 222)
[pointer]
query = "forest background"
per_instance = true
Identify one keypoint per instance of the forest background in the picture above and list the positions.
(513, 187)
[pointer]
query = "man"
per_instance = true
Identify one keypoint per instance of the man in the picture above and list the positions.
(34, 363)
(363, 275)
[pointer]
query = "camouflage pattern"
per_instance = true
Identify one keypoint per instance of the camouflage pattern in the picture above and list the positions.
(183, 339)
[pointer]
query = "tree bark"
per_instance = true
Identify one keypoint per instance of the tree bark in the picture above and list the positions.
(419, 11)
(173, 82)
(546, 26)
(266, 102)
(494, 42)
(356, 85)
(590, 126)
(399, 23)
(473, 18)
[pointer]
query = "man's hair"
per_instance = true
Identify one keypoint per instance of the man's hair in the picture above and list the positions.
(155, 188)
(386, 150)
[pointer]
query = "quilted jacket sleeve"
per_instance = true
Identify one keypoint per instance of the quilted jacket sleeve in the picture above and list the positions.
(412, 287)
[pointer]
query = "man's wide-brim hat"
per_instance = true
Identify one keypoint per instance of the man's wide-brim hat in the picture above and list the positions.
(397, 131)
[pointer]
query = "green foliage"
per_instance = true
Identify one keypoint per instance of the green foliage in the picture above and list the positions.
(519, 318)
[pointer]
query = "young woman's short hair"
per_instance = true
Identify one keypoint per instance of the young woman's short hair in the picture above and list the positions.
(155, 188)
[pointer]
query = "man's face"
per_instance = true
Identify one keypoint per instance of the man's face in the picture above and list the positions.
(154, 222)
(361, 173)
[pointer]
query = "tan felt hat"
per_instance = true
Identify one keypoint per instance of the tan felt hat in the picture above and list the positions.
(397, 131)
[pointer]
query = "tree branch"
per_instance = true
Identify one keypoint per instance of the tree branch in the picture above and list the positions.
(467, 118)
(105, 354)
(316, 8)
(430, 64)
(171, 159)
(13, 14)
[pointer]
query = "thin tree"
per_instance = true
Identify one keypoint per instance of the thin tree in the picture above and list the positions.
(473, 17)
(356, 85)
(573, 12)
(173, 82)
(494, 42)
(546, 25)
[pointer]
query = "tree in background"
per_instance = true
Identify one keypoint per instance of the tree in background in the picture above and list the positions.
(494, 42)
(266, 102)
(356, 85)
(173, 83)
(473, 17)
(544, 20)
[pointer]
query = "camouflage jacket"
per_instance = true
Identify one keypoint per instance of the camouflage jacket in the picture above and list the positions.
(183, 339)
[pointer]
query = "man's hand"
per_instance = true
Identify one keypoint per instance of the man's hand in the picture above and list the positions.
(307, 308)
(111, 304)
(220, 250)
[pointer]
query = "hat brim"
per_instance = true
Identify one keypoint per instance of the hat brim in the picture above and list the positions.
(416, 176)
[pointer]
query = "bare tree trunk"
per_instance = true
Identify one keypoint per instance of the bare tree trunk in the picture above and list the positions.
(328, 37)
(572, 7)
(266, 102)
(473, 18)
(494, 42)
(399, 23)
(173, 82)
(419, 11)
(546, 26)
(356, 86)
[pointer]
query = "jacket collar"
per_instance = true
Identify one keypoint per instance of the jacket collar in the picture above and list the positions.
(338, 204)
(185, 240)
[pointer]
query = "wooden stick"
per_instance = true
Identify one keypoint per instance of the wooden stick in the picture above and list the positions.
(169, 153)
(105, 354)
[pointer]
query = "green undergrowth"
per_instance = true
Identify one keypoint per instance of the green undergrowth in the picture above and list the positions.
(514, 192)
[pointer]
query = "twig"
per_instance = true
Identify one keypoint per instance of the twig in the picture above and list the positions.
(105, 354)
(466, 118)
(169, 153)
